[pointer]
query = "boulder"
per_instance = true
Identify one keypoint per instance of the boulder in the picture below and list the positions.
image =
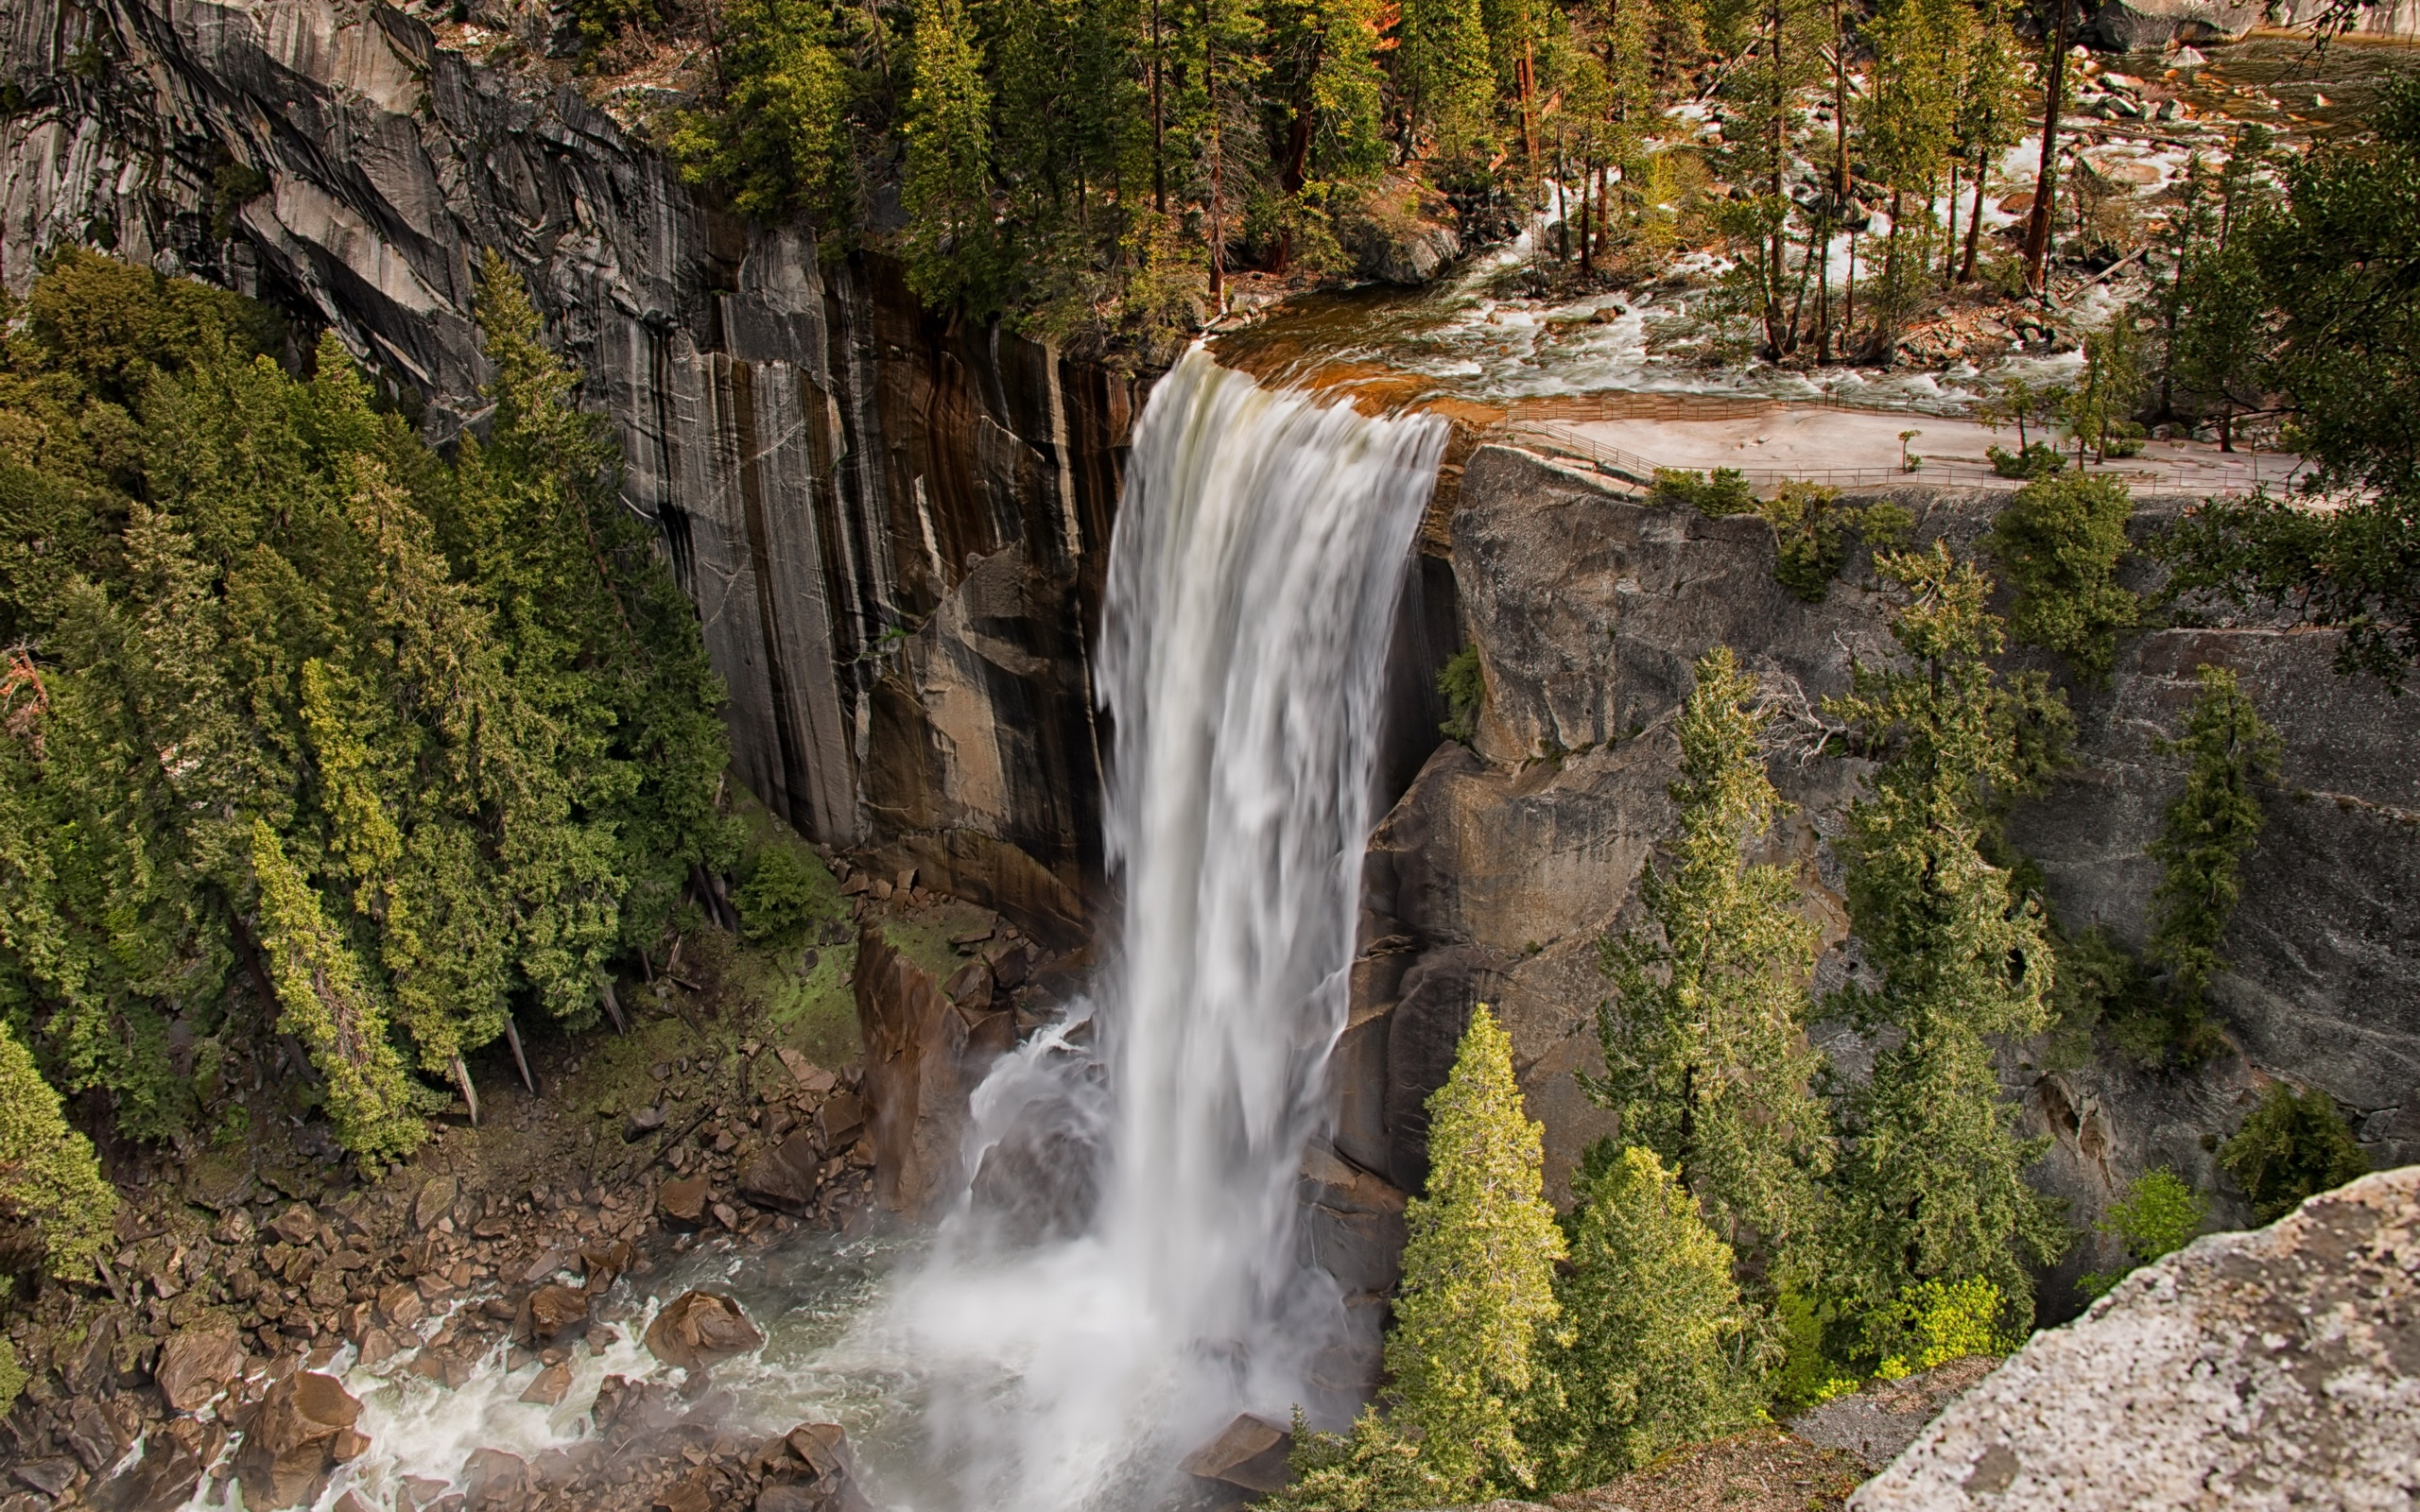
(297, 1225)
(682, 1204)
(196, 1363)
(94, 1436)
(1250, 1454)
(970, 987)
(548, 1312)
(164, 1479)
(2269, 1369)
(494, 1481)
(552, 1384)
(696, 1329)
(625, 1409)
(808, 1470)
(785, 1178)
(294, 1440)
(435, 1201)
(839, 1121)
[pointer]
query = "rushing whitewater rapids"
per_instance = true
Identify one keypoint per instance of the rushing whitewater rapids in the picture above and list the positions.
(1121, 1274)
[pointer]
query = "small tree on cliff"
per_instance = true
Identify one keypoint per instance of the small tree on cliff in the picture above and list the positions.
(1706, 1059)
(1931, 1184)
(1477, 1271)
(2210, 828)
(1654, 1348)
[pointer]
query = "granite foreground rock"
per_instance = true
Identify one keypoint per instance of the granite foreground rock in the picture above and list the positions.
(2275, 1368)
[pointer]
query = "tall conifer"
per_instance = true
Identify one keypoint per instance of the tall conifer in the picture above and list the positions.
(1707, 1058)
(1931, 1184)
(1477, 1271)
(1654, 1348)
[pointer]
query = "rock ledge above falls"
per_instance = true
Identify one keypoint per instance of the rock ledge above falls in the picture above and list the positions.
(2275, 1368)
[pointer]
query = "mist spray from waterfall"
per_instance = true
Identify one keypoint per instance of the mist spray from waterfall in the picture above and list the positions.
(1123, 1274)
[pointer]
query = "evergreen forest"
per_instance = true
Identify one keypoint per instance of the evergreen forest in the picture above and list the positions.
(327, 758)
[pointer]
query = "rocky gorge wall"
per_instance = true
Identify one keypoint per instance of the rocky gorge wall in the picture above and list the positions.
(1497, 872)
(892, 525)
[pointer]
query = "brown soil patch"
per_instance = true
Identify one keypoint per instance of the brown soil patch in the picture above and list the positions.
(1763, 1469)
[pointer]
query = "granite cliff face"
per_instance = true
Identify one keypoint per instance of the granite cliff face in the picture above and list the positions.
(1493, 877)
(891, 522)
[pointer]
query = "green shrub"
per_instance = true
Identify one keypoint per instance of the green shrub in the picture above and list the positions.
(2159, 1215)
(1809, 1375)
(2059, 543)
(232, 187)
(12, 1377)
(1463, 685)
(2290, 1148)
(2102, 986)
(1813, 532)
(2038, 459)
(1725, 492)
(1951, 1321)
(784, 895)
(1371, 1467)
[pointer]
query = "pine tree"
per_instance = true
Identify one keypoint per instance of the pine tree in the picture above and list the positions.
(1991, 119)
(1760, 144)
(1707, 1059)
(2209, 829)
(781, 136)
(1477, 1271)
(2060, 541)
(1908, 133)
(1654, 1348)
(1929, 1185)
(947, 188)
(1443, 77)
(48, 1177)
(325, 1001)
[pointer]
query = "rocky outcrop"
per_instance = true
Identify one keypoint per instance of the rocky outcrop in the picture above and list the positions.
(696, 1329)
(926, 1051)
(196, 1363)
(2127, 24)
(891, 522)
(301, 1431)
(2269, 1369)
(1495, 876)
(1250, 1454)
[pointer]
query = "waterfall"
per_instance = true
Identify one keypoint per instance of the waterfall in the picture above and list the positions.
(1122, 1276)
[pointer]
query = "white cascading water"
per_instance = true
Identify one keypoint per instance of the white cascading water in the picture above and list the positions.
(1259, 550)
